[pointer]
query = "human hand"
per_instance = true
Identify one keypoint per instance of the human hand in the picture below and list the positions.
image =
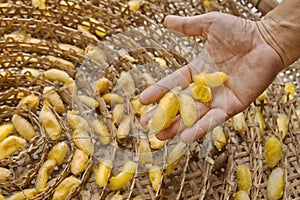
(235, 46)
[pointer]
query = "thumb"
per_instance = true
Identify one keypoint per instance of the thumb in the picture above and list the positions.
(191, 26)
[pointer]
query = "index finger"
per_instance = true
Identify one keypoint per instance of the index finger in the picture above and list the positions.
(181, 77)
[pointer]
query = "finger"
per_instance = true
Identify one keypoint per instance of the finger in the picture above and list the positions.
(181, 77)
(210, 120)
(177, 125)
(192, 26)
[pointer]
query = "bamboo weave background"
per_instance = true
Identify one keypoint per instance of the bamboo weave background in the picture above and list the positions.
(202, 174)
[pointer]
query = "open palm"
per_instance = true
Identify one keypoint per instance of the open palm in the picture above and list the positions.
(234, 46)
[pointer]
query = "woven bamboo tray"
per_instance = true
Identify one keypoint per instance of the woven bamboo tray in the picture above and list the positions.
(204, 172)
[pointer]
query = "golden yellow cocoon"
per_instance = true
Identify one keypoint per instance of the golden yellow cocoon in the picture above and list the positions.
(200, 92)
(83, 141)
(77, 122)
(100, 129)
(290, 88)
(273, 151)
(88, 101)
(275, 185)
(112, 99)
(219, 137)
(124, 127)
(239, 123)
(50, 122)
(241, 195)
(188, 109)
(135, 4)
(118, 112)
(31, 100)
(102, 85)
(10, 145)
(79, 162)
(58, 153)
(54, 99)
(103, 172)
(66, 187)
(24, 127)
(43, 175)
(148, 78)
(165, 112)
(23, 195)
(155, 143)
(155, 175)
(58, 75)
(126, 174)
(5, 130)
(244, 180)
(4, 174)
(39, 3)
(260, 120)
(174, 157)
(144, 151)
(262, 96)
(282, 124)
(214, 79)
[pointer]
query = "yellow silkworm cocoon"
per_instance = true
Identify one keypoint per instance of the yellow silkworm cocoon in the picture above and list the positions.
(50, 122)
(66, 187)
(79, 162)
(96, 54)
(275, 185)
(24, 127)
(214, 79)
(102, 85)
(155, 143)
(201, 93)
(165, 112)
(101, 130)
(290, 88)
(118, 113)
(135, 4)
(1, 197)
(260, 120)
(188, 109)
(124, 127)
(58, 153)
(84, 30)
(112, 99)
(148, 78)
(121, 179)
(23, 195)
(88, 101)
(31, 100)
(244, 180)
(239, 123)
(39, 3)
(103, 172)
(241, 195)
(282, 124)
(262, 96)
(175, 157)
(83, 141)
(155, 175)
(145, 154)
(54, 99)
(60, 62)
(126, 83)
(4, 174)
(58, 75)
(117, 197)
(273, 151)
(43, 175)
(219, 137)
(76, 121)
(136, 105)
(5, 130)
(69, 47)
(162, 62)
(10, 145)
